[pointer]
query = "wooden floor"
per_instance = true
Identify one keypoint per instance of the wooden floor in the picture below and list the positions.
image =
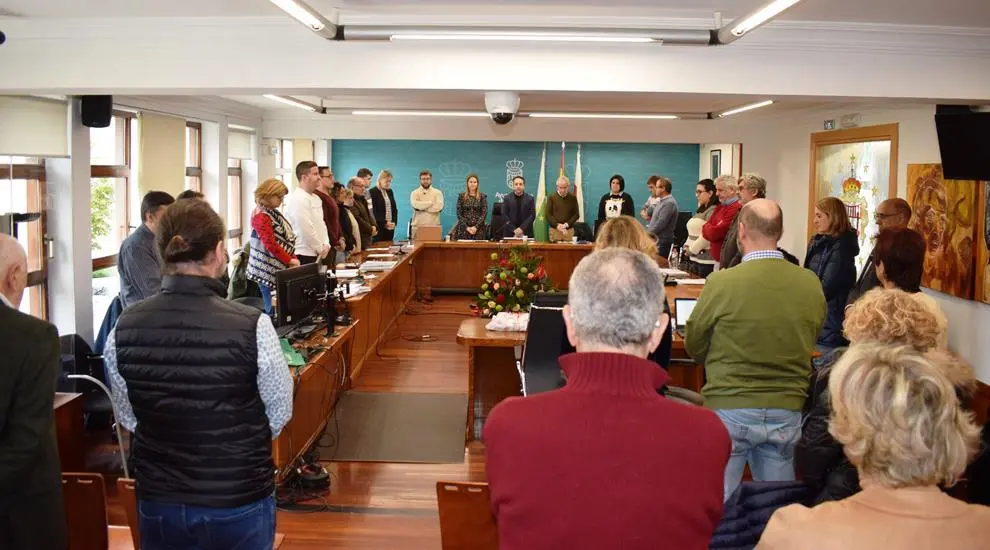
(383, 505)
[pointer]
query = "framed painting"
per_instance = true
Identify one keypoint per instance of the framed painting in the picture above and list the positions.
(945, 212)
(716, 163)
(858, 166)
(983, 245)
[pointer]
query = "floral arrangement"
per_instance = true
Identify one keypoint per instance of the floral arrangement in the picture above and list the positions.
(510, 283)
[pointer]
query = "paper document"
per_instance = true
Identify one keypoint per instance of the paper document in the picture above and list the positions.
(671, 272)
(381, 256)
(690, 281)
(347, 273)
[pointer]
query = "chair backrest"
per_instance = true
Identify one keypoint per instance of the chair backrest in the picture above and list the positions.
(128, 497)
(546, 341)
(85, 511)
(426, 233)
(680, 229)
(466, 519)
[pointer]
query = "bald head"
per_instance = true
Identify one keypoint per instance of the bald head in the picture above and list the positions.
(13, 269)
(761, 223)
(893, 214)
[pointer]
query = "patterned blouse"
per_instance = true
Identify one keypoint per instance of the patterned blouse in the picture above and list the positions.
(471, 212)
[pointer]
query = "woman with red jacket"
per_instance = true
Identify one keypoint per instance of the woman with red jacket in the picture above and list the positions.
(272, 240)
(718, 224)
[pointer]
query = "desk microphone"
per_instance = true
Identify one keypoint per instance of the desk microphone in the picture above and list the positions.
(331, 302)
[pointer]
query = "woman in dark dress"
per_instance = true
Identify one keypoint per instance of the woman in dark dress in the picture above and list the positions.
(615, 203)
(472, 211)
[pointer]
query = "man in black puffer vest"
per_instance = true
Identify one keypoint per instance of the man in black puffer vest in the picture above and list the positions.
(204, 387)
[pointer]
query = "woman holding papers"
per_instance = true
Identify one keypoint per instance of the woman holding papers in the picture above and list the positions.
(472, 212)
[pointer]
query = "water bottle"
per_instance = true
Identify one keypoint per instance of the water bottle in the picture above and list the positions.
(675, 258)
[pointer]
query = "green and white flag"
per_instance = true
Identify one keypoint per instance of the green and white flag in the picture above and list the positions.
(540, 226)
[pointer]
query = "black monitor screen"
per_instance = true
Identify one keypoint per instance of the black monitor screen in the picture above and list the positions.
(963, 145)
(298, 290)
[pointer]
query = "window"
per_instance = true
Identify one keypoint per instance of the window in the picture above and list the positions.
(22, 191)
(194, 156)
(110, 171)
(234, 226)
(283, 162)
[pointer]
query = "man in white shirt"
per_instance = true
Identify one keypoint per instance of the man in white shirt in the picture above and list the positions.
(304, 210)
(427, 202)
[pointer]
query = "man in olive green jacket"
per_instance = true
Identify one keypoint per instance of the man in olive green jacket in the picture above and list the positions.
(754, 328)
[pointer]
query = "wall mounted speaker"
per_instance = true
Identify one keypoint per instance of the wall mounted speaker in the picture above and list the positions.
(97, 110)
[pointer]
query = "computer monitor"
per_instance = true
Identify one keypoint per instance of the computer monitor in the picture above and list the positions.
(299, 290)
(682, 311)
(546, 341)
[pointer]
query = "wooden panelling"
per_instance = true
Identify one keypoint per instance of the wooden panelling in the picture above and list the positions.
(461, 265)
(69, 431)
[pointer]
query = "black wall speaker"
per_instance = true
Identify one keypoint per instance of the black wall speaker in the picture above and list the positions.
(97, 110)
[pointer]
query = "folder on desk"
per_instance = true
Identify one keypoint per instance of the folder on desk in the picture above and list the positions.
(292, 356)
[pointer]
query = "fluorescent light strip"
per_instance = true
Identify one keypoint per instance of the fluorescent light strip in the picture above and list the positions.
(300, 12)
(524, 37)
(286, 100)
(766, 13)
(632, 116)
(422, 113)
(745, 108)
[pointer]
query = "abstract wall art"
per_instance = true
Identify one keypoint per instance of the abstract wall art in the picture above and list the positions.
(945, 212)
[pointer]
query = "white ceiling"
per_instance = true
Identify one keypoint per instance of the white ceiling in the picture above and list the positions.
(963, 13)
(540, 101)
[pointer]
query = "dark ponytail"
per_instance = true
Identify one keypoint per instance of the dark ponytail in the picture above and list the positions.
(187, 233)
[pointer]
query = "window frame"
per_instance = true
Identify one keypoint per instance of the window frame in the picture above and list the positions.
(234, 196)
(122, 172)
(37, 280)
(195, 170)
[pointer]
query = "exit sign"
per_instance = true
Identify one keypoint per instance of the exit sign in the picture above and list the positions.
(830, 124)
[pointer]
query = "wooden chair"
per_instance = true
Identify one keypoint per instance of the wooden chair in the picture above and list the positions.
(466, 520)
(125, 490)
(86, 515)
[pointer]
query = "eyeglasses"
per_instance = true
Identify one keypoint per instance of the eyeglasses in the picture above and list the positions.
(879, 217)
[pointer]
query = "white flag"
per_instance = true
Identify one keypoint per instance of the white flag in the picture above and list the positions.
(577, 186)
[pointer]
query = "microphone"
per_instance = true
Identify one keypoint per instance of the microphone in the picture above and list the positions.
(3, 37)
(331, 302)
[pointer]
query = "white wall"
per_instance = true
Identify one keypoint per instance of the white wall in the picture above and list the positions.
(729, 160)
(782, 155)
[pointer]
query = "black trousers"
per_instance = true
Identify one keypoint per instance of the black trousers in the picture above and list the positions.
(35, 522)
(384, 235)
(303, 260)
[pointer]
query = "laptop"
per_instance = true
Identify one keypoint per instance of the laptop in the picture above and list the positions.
(682, 312)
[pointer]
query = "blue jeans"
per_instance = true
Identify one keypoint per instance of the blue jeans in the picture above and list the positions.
(765, 438)
(166, 526)
(266, 298)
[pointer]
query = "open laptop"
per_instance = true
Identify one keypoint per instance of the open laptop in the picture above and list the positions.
(682, 312)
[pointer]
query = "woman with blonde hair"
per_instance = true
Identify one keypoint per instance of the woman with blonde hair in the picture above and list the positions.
(832, 256)
(272, 240)
(626, 232)
(886, 316)
(897, 416)
(384, 209)
(472, 212)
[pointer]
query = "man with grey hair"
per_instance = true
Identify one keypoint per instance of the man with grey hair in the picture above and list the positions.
(659, 454)
(32, 514)
(366, 222)
(664, 218)
(754, 328)
(751, 187)
(717, 226)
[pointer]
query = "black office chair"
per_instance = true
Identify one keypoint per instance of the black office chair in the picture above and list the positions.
(83, 372)
(495, 230)
(680, 230)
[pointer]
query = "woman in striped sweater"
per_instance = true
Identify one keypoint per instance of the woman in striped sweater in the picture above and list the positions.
(272, 239)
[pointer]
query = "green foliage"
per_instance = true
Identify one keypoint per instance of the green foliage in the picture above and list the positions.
(511, 282)
(100, 211)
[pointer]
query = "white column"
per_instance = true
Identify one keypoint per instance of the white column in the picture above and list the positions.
(70, 272)
(250, 178)
(215, 164)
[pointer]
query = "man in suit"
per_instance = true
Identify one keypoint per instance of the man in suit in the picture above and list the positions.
(383, 207)
(519, 210)
(891, 214)
(32, 514)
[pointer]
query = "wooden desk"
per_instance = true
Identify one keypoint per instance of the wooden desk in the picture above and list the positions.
(461, 265)
(492, 374)
(69, 431)
(318, 386)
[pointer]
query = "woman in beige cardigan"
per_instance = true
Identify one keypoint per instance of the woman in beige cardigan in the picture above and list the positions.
(898, 418)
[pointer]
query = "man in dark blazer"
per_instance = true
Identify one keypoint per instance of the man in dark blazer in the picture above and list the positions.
(519, 210)
(384, 207)
(891, 214)
(32, 514)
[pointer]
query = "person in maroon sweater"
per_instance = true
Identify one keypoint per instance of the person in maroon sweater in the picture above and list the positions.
(607, 462)
(331, 213)
(717, 226)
